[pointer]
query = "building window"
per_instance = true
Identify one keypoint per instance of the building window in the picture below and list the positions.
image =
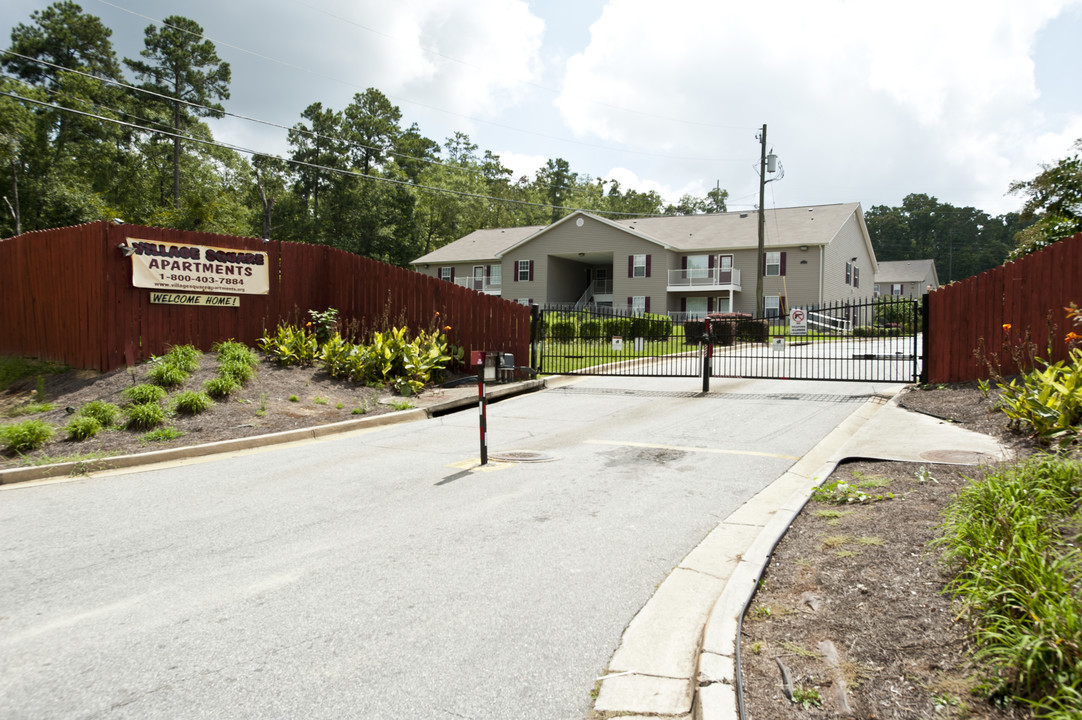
(723, 305)
(523, 301)
(638, 266)
(447, 273)
(848, 274)
(771, 306)
(638, 304)
(896, 289)
(695, 307)
(698, 266)
(875, 290)
(773, 263)
(856, 277)
(523, 270)
(495, 275)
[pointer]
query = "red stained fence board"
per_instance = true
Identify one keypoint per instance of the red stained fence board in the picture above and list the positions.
(67, 296)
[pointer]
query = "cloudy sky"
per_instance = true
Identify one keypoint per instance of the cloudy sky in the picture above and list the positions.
(864, 100)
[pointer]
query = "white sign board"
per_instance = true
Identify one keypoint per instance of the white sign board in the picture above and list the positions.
(778, 344)
(197, 268)
(617, 344)
(798, 321)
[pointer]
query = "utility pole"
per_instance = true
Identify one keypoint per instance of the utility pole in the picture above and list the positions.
(762, 225)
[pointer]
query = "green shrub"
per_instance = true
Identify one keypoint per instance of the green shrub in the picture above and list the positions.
(82, 427)
(590, 329)
(25, 436)
(105, 413)
(290, 345)
(562, 330)
(167, 375)
(161, 435)
(1047, 401)
(143, 416)
(192, 402)
(184, 357)
(32, 408)
(233, 351)
(239, 370)
(221, 387)
(143, 394)
(651, 327)
(1011, 541)
(616, 327)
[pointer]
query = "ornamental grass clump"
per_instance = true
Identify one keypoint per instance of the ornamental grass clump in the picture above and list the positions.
(221, 387)
(106, 413)
(25, 436)
(143, 416)
(82, 427)
(1012, 538)
(192, 402)
(143, 394)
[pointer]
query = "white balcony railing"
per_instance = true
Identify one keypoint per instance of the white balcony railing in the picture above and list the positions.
(700, 278)
(485, 285)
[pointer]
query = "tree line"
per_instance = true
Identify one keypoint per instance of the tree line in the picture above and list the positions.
(87, 136)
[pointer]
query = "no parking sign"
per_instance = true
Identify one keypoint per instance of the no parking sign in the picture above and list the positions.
(798, 321)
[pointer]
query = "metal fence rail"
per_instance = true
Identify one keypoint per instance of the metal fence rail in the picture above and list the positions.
(869, 340)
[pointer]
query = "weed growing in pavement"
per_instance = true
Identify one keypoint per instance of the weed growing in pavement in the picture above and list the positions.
(402, 405)
(320, 400)
(294, 398)
(339, 406)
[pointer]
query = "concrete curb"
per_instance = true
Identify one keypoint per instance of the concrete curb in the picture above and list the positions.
(677, 657)
(67, 469)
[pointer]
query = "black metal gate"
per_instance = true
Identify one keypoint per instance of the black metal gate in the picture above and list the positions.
(867, 340)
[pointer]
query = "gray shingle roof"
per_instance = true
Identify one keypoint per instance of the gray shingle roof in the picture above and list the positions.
(808, 225)
(901, 271)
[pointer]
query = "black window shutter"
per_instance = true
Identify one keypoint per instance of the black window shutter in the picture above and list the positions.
(630, 265)
(646, 307)
(629, 299)
(514, 275)
(452, 274)
(647, 266)
(783, 263)
(683, 304)
(531, 271)
(710, 304)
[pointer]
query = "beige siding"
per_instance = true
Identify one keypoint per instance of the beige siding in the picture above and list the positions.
(847, 244)
(560, 274)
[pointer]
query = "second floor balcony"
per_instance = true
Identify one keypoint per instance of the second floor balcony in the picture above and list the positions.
(489, 286)
(704, 279)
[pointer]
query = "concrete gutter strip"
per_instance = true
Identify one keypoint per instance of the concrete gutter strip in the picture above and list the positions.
(677, 657)
(67, 469)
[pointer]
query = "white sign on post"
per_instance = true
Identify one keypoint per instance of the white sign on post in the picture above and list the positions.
(798, 321)
(617, 343)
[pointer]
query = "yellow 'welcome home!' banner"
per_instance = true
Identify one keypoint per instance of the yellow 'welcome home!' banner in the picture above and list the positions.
(197, 268)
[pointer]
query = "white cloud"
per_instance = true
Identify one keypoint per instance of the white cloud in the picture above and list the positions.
(865, 101)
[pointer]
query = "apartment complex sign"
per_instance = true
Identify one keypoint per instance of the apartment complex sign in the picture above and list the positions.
(174, 267)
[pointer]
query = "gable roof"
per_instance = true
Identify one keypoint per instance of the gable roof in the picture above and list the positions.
(902, 271)
(806, 225)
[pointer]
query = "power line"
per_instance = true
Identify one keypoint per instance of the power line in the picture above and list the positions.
(450, 112)
(339, 171)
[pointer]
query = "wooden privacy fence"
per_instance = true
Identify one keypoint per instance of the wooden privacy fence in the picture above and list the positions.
(66, 295)
(1028, 294)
